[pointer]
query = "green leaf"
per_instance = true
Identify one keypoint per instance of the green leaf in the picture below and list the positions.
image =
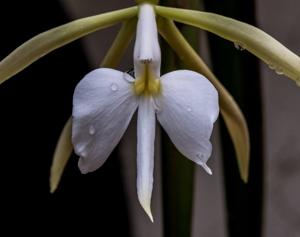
(233, 117)
(50, 40)
(61, 156)
(120, 44)
(273, 53)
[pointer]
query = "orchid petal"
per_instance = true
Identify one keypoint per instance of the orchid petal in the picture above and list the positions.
(233, 117)
(188, 108)
(103, 106)
(145, 152)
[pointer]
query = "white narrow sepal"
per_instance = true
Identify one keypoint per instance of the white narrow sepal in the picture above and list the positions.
(145, 153)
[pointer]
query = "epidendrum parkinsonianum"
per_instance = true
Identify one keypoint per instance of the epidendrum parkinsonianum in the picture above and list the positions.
(184, 102)
(185, 96)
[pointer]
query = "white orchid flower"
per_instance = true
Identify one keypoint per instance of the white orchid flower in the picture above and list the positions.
(184, 102)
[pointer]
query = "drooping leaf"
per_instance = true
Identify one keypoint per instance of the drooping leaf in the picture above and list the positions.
(243, 35)
(61, 156)
(50, 40)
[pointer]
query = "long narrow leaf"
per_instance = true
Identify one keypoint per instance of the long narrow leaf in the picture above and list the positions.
(246, 36)
(120, 44)
(61, 156)
(230, 111)
(50, 40)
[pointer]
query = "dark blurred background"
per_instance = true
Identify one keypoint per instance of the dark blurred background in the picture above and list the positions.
(36, 103)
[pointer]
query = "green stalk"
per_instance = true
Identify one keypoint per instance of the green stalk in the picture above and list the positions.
(178, 172)
(120, 44)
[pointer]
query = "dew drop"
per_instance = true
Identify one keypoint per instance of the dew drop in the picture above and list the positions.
(92, 130)
(189, 109)
(83, 154)
(278, 71)
(114, 87)
(239, 46)
(81, 151)
(271, 66)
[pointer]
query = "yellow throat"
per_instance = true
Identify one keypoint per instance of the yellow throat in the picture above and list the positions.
(147, 84)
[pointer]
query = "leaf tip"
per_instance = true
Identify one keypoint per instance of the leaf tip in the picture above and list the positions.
(53, 183)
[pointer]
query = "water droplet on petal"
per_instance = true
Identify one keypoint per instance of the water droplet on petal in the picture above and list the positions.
(80, 149)
(92, 130)
(189, 109)
(114, 87)
(239, 46)
(83, 154)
